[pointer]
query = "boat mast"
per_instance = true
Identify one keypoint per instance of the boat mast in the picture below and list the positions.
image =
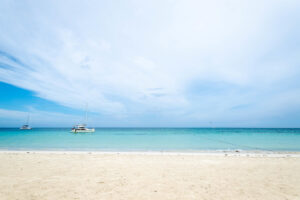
(86, 114)
(27, 122)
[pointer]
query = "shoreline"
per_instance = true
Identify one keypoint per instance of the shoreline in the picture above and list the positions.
(237, 153)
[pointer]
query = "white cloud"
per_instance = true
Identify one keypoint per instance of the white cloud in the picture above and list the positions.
(145, 56)
(37, 118)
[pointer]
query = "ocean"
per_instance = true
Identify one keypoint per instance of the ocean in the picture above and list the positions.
(152, 139)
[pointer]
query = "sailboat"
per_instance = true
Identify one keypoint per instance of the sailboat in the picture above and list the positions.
(26, 126)
(81, 128)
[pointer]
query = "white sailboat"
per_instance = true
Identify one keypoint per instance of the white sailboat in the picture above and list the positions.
(26, 126)
(81, 128)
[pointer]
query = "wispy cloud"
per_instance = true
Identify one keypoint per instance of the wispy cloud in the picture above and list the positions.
(11, 118)
(158, 56)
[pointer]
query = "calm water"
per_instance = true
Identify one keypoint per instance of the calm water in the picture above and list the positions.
(151, 139)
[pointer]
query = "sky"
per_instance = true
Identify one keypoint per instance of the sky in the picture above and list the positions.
(160, 63)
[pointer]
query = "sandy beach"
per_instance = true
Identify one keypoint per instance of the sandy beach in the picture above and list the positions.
(67, 175)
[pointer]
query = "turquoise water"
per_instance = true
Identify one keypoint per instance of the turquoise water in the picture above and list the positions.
(151, 139)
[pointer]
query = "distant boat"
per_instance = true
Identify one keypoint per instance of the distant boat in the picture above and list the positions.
(81, 128)
(26, 126)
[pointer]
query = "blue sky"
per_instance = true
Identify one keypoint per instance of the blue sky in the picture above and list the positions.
(150, 63)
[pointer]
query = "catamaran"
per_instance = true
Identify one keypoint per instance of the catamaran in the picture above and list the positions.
(81, 128)
(26, 126)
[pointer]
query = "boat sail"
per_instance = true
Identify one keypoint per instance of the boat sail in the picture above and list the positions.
(26, 126)
(81, 128)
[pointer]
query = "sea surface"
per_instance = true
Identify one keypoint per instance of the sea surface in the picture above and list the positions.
(151, 139)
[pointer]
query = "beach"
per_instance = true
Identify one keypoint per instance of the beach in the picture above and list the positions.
(91, 175)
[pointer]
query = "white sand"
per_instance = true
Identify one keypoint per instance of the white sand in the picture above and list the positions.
(58, 175)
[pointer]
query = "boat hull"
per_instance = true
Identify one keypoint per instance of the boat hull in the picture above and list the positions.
(90, 130)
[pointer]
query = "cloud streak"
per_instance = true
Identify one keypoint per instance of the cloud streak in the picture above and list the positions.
(198, 59)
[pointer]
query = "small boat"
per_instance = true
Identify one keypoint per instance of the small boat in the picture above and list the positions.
(81, 128)
(26, 126)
